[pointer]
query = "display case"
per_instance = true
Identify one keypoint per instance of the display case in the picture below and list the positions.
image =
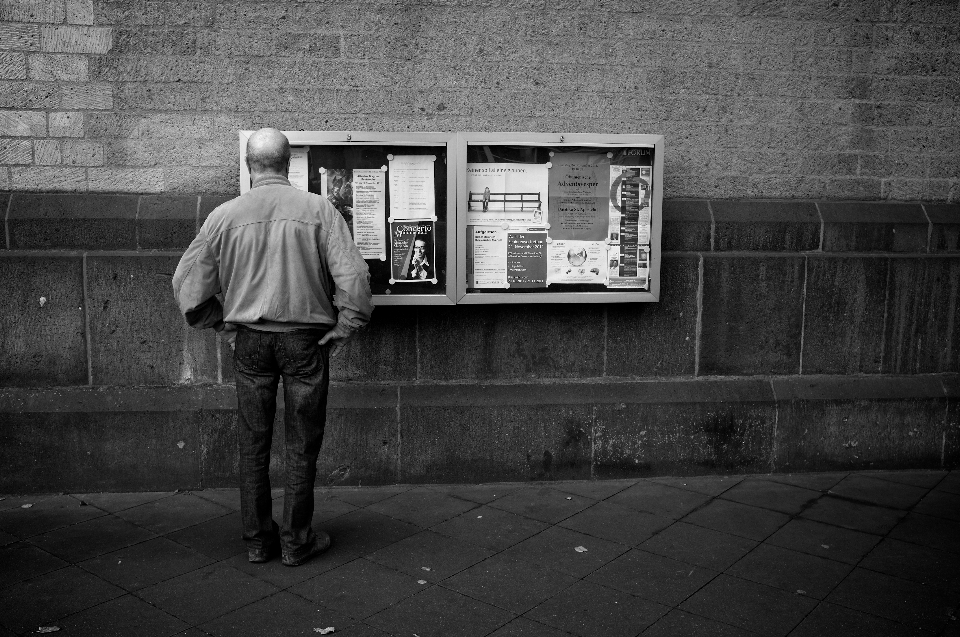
(396, 191)
(551, 218)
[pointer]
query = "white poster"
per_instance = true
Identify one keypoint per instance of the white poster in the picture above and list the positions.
(579, 193)
(488, 256)
(411, 187)
(507, 193)
(369, 212)
(298, 175)
(577, 262)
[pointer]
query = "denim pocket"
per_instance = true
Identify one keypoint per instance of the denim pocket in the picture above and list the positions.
(302, 353)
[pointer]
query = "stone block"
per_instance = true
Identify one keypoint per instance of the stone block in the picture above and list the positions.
(835, 423)
(66, 124)
(49, 179)
(138, 180)
(385, 350)
(79, 12)
(99, 451)
(166, 222)
(47, 152)
(511, 341)
(75, 39)
(945, 220)
(98, 222)
(82, 153)
(360, 445)
(687, 225)
(32, 95)
(16, 151)
(844, 315)
(57, 68)
(42, 337)
(766, 226)
(207, 205)
(13, 66)
(873, 227)
(20, 37)
(23, 124)
(32, 11)
(922, 332)
(752, 315)
(657, 339)
(137, 334)
(87, 96)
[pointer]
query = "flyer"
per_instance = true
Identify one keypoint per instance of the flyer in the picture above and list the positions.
(502, 192)
(487, 257)
(577, 262)
(527, 259)
(630, 269)
(299, 174)
(336, 184)
(578, 203)
(369, 211)
(412, 252)
(411, 187)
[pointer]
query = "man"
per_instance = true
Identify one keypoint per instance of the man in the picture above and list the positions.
(277, 271)
(419, 265)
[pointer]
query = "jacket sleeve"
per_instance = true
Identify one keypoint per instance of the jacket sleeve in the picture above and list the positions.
(196, 284)
(351, 278)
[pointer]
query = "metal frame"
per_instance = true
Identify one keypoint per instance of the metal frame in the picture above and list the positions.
(346, 138)
(549, 139)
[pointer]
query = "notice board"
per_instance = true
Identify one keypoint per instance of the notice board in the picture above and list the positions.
(396, 192)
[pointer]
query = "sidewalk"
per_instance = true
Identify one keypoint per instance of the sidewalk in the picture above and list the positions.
(812, 555)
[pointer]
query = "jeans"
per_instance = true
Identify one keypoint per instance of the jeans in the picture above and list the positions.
(260, 359)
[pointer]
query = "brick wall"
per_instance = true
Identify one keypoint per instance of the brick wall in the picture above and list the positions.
(782, 99)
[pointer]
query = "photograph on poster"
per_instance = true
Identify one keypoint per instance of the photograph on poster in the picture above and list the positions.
(337, 187)
(506, 193)
(412, 255)
(412, 187)
(577, 262)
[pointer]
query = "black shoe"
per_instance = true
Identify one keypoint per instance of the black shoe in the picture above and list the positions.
(259, 556)
(320, 544)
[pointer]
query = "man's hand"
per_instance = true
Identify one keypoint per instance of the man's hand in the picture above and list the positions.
(231, 337)
(336, 341)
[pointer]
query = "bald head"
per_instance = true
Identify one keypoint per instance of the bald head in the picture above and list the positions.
(268, 151)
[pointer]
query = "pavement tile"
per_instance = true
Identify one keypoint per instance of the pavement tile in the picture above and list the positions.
(229, 498)
(897, 599)
(438, 612)
(941, 504)
(44, 600)
(20, 561)
(85, 540)
(280, 576)
(927, 530)
(699, 546)
(738, 519)
(768, 494)
(824, 540)
(114, 502)
(360, 629)
(490, 528)
(326, 507)
(6, 538)
(556, 548)
(790, 570)
(678, 623)
(653, 577)
(219, 538)
(363, 531)
(881, 492)
(127, 615)
(707, 485)
(853, 515)
(422, 507)
(523, 627)
(479, 493)
(173, 513)
(364, 496)
(925, 479)
(430, 556)
(916, 563)
(830, 620)
(199, 596)
(756, 607)
(146, 564)
(660, 499)
(593, 489)
(541, 503)
(509, 583)
(950, 483)
(38, 501)
(813, 481)
(616, 523)
(591, 610)
(359, 588)
(279, 615)
(46, 515)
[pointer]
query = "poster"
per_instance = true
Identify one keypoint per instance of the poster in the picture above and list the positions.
(579, 193)
(412, 252)
(369, 210)
(299, 174)
(411, 187)
(486, 257)
(336, 184)
(630, 268)
(577, 262)
(507, 193)
(527, 259)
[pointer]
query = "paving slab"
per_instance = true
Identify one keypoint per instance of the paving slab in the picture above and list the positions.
(853, 515)
(814, 481)
(229, 498)
(479, 493)
(941, 504)
(508, 583)
(491, 528)
(127, 615)
(738, 519)
(699, 546)
(173, 513)
(653, 577)
(617, 523)
(905, 602)
(678, 623)
(364, 531)
(360, 588)
(767, 494)
(543, 504)
(660, 499)
(925, 479)
(594, 489)
(21, 560)
(146, 564)
(45, 515)
(422, 507)
(114, 502)
(915, 563)
(438, 612)
(281, 615)
(283, 577)
(831, 620)
(85, 540)
(824, 540)
(430, 556)
(709, 485)
(218, 538)
(591, 610)
(950, 483)
(523, 627)
(926, 530)
(882, 492)
(567, 551)
(791, 571)
(365, 496)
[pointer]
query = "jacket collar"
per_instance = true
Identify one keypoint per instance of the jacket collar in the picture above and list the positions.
(270, 180)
